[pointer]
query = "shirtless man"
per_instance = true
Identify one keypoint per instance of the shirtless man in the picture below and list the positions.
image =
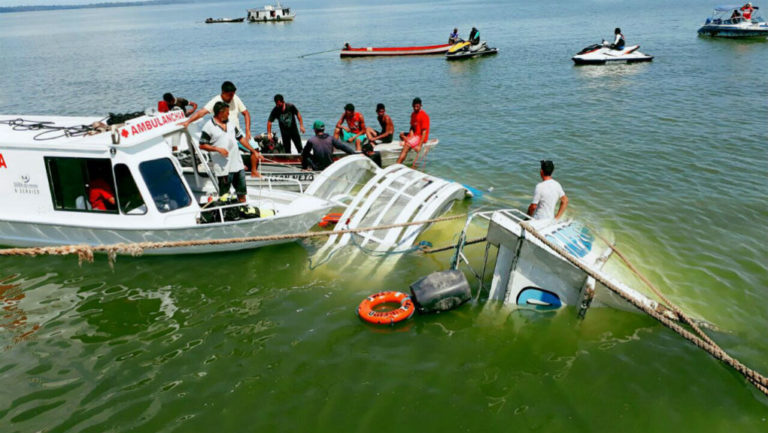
(387, 127)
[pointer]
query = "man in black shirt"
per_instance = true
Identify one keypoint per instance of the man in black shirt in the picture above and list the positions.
(321, 148)
(286, 115)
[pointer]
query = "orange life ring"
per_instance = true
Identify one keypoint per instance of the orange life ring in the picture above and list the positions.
(405, 311)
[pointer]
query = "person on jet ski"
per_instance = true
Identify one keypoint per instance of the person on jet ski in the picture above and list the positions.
(474, 36)
(618, 42)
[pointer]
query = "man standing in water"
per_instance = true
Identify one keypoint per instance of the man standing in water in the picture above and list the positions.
(286, 115)
(220, 137)
(419, 132)
(236, 107)
(548, 192)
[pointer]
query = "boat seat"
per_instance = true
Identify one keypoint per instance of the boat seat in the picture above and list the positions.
(82, 203)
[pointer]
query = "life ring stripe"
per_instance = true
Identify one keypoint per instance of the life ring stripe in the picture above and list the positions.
(405, 311)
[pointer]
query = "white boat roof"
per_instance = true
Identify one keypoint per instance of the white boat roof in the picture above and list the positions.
(51, 131)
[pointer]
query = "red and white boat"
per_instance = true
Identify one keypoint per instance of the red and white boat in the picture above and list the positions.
(348, 51)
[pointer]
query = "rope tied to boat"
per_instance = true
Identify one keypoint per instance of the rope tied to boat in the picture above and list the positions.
(755, 378)
(86, 252)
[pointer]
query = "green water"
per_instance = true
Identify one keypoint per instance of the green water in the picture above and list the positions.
(669, 157)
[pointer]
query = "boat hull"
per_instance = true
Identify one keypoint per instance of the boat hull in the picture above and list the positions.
(395, 51)
(27, 234)
(721, 31)
(468, 55)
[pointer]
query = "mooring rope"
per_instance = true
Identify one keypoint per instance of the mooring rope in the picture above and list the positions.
(754, 377)
(85, 252)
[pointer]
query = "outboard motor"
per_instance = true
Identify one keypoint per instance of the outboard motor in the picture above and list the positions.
(441, 291)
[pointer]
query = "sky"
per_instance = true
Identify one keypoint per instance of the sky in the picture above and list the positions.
(9, 3)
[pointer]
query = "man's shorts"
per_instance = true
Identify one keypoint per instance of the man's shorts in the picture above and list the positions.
(383, 140)
(345, 136)
(236, 180)
(412, 141)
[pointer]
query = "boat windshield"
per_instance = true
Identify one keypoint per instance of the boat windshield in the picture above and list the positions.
(165, 185)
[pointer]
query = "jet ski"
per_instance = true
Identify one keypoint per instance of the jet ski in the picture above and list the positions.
(600, 54)
(465, 50)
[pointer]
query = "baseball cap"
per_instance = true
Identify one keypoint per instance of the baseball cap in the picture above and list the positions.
(318, 125)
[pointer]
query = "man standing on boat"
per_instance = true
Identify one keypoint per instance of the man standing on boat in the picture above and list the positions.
(318, 153)
(236, 107)
(219, 137)
(387, 127)
(419, 132)
(286, 115)
(355, 129)
(547, 194)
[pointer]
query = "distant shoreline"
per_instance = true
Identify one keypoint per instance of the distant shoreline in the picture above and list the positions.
(10, 9)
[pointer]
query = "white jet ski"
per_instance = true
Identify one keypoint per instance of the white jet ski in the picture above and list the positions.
(465, 50)
(600, 54)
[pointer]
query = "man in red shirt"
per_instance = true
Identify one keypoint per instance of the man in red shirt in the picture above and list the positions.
(355, 129)
(419, 133)
(101, 195)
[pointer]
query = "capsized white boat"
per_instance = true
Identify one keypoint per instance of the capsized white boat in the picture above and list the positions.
(600, 54)
(529, 274)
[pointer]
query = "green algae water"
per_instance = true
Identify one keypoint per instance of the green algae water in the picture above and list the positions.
(668, 157)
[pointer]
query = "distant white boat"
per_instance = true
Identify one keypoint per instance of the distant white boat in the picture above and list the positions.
(270, 13)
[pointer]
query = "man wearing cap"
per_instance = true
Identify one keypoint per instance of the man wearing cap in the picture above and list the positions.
(547, 194)
(219, 137)
(355, 129)
(321, 148)
(236, 107)
(419, 132)
(286, 115)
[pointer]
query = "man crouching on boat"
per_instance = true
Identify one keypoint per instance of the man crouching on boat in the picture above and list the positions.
(419, 132)
(220, 140)
(547, 194)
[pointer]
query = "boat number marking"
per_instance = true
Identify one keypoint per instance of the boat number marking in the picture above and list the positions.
(2, 162)
(151, 124)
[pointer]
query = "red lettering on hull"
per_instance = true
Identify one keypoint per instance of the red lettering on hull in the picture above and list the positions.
(2, 162)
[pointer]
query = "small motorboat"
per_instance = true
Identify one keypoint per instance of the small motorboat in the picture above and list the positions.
(223, 20)
(466, 50)
(600, 54)
(348, 51)
(735, 22)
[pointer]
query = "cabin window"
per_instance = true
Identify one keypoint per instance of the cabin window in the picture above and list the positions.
(129, 197)
(81, 184)
(165, 185)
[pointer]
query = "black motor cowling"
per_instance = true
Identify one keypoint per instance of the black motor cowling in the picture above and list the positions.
(441, 291)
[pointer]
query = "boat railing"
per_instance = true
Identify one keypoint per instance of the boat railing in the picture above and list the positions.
(277, 179)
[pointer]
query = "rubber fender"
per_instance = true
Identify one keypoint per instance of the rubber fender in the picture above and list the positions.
(441, 291)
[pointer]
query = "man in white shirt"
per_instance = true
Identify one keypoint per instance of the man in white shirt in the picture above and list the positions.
(236, 107)
(547, 194)
(220, 137)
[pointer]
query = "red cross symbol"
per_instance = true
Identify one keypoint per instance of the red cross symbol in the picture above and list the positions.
(124, 133)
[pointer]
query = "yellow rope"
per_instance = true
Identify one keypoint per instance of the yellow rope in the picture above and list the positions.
(760, 381)
(85, 252)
